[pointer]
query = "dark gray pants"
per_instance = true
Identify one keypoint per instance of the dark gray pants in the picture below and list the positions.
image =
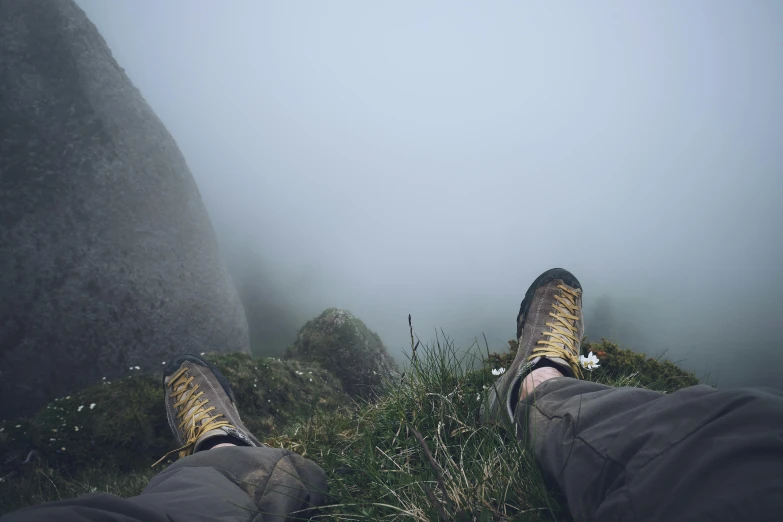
(219, 485)
(622, 454)
(618, 454)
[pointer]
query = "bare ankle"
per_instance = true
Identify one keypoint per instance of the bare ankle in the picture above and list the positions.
(535, 378)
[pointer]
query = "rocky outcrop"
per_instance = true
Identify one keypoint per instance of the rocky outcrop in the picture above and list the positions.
(343, 345)
(107, 256)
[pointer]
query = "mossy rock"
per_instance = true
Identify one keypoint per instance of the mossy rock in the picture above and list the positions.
(122, 424)
(343, 345)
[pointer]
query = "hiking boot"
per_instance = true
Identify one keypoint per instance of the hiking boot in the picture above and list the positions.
(201, 408)
(549, 330)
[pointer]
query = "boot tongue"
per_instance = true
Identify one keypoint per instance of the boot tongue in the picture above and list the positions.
(557, 338)
(188, 393)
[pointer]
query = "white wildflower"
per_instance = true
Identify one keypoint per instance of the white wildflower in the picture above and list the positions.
(18, 425)
(136, 368)
(52, 440)
(131, 368)
(62, 449)
(104, 378)
(92, 405)
(478, 397)
(311, 380)
(76, 428)
(80, 408)
(590, 362)
(164, 362)
(202, 353)
(498, 371)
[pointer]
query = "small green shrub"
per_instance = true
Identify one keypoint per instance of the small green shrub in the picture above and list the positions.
(628, 368)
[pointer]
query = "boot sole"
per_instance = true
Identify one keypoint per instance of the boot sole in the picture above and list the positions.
(545, 278)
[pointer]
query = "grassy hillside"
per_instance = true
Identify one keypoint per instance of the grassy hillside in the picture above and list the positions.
(376, 463)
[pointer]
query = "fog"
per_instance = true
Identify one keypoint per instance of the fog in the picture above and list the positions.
(433, 158)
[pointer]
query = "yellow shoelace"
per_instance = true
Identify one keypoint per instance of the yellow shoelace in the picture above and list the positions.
(562, 340)
(191, 411)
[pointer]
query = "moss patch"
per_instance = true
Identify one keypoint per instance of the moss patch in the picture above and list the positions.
(637, 369)
(620, 367)
(122, 424)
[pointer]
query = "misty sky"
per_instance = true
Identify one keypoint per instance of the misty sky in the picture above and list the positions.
(433, 158)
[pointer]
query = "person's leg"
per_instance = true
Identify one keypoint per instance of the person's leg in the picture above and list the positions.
(628, 453)
(225, 474)
(635, 454)
(229, 484)
(187, 494)
(275, 483)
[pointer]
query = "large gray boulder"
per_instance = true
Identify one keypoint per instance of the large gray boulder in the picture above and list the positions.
(107, 256)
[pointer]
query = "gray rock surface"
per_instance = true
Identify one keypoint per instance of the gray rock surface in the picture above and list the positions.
(342, 344)
(107, 256)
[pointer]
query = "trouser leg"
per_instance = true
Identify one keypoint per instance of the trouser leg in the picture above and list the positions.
(277, 481)
(231, 484)
(635, 454)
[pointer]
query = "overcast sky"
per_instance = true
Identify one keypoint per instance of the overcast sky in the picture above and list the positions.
(433, 158)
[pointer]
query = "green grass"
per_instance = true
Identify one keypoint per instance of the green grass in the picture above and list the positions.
(376, 465)
(379, 469)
